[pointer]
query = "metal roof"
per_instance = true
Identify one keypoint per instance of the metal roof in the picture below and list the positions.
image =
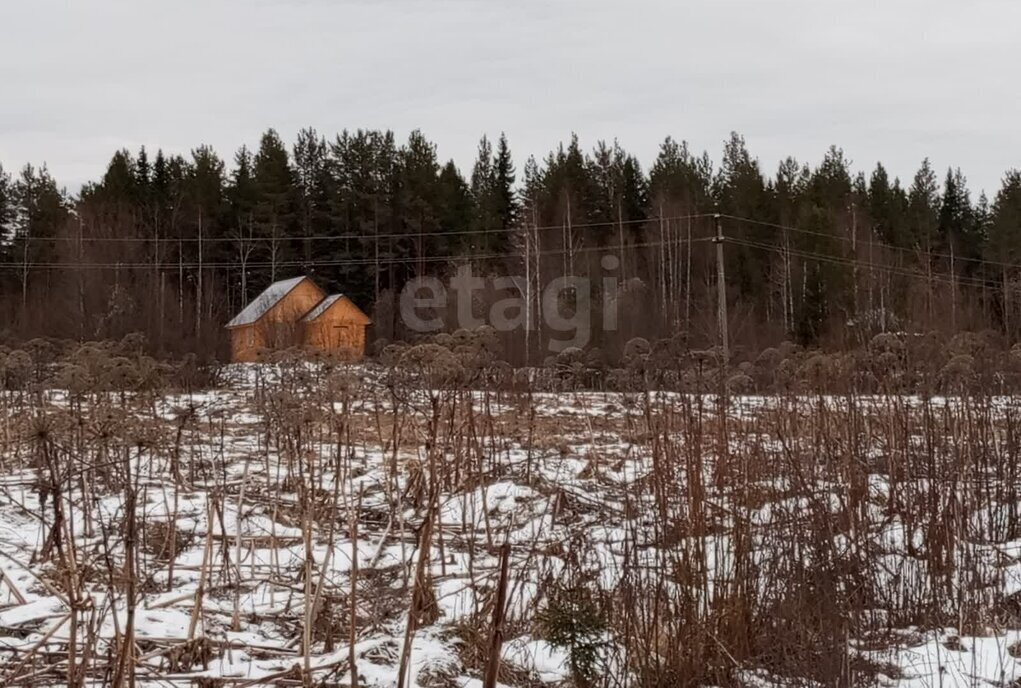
(322, 306)
(264, 301)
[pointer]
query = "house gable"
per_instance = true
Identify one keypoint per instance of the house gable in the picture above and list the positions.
(338, 307)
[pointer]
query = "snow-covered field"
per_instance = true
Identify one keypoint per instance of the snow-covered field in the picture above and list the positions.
(298, 526)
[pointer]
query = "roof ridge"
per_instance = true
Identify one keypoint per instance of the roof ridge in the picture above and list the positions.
(261, 304)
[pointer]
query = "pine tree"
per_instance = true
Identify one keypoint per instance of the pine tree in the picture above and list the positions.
(888, 209)
(739, 186)
(119, 185)
(313, 182)
(362, 204)
(676, 182)
(276, 207)
(40, 211)
(1005, 245)
(454, 203)
(788, 188)
(204, 187)
(788, 191)
(679, 185)
(923, 213)
(827, 290)
(417, 204)
(7, 214)
(605, 180)
(568, 198)
(740, 190)
(242, 196)
(634, 190)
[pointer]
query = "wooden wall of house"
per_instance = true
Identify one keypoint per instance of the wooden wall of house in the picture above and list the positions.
(341, 325)
(243, 344)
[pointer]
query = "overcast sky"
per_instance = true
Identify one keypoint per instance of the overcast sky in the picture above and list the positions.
(895, 81)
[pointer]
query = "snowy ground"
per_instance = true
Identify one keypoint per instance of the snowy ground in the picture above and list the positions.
(274, 514)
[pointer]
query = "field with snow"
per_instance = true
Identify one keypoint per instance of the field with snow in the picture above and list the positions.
(335, 526)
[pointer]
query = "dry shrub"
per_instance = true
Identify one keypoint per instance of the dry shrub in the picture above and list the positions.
(636, 353)
(16, 369)
(740, 384)
(331, 620)
(187, 656)
(769, 358)
(164, 540)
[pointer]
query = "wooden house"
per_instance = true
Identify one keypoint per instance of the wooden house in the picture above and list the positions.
(296, 312)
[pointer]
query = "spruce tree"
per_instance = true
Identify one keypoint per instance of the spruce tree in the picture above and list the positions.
(143, 173)
(981, 218)
(506, 198)
(923, 208)
(160, 188)
(485, 204)
(494, 201)
(956, 222)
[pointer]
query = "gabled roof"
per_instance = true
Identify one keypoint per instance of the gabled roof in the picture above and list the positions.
(321, 307)
(261, 304)
(328, 302)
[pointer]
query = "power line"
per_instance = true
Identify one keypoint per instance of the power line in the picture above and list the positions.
(386, 260)
(916, 252)
(391, 260)
(347, 237)
(848, 262)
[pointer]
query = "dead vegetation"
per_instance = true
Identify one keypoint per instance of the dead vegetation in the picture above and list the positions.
(320, 523)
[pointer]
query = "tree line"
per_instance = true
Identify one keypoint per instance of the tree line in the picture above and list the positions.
(171, 246)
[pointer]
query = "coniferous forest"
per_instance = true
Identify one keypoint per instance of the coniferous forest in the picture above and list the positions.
(817, 252)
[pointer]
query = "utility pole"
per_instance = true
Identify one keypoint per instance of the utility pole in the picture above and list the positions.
(721, 289)
(854, 257)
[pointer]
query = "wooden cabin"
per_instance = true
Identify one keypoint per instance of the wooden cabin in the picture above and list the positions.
(296, 312)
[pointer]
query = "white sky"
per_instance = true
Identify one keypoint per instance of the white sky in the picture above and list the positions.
(895, 81)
